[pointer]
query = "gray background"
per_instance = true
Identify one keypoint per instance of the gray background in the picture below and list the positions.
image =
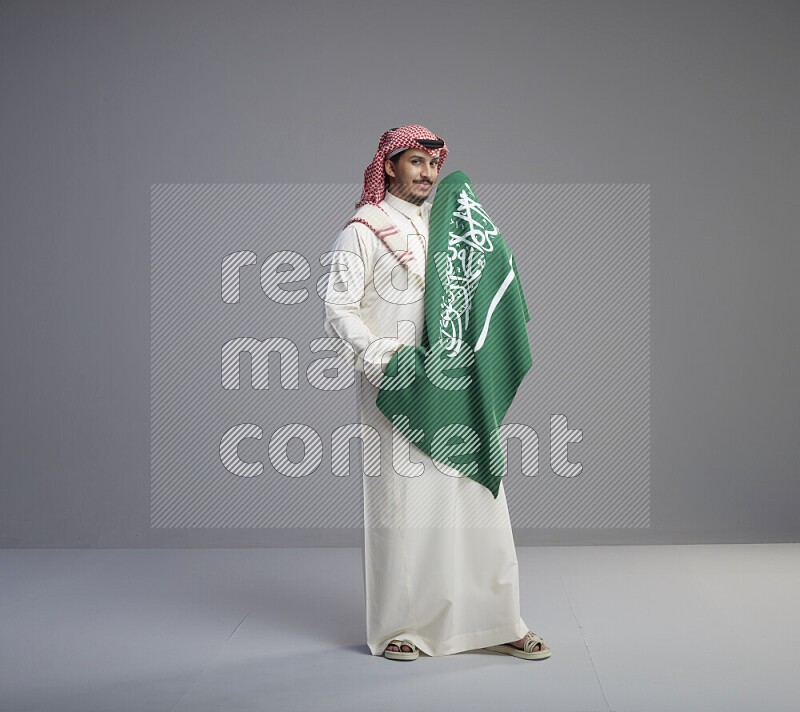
(218, 398)
(101, 100)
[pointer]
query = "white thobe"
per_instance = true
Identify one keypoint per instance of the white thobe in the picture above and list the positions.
(439, 563)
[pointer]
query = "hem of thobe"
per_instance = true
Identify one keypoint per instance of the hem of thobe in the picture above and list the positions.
(458, 643)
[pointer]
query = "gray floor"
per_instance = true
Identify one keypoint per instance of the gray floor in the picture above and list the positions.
(641, 628)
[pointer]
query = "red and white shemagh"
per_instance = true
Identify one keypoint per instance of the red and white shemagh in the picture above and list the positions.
(374, 175)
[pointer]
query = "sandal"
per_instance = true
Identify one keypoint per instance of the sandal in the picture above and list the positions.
(528, 652)
(399, 654)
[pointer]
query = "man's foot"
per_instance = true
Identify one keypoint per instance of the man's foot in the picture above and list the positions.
(409, 650)
(520, 644)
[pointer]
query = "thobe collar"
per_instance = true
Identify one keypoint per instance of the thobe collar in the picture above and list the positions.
(410, 210)
(414, 214)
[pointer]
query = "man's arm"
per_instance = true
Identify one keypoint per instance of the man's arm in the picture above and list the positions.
(351, 269)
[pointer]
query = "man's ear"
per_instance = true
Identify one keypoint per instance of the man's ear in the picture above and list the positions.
(388, 166)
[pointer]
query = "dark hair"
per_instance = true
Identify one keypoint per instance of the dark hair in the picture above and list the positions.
(394, 160)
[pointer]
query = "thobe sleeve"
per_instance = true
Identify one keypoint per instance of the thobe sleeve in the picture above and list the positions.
(351, 273)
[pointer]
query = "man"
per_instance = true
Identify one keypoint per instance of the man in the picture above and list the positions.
(440, 567)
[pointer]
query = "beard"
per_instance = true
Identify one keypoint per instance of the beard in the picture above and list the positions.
(412, 192)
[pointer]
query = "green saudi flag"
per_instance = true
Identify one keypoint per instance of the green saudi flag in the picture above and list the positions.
(449, 396)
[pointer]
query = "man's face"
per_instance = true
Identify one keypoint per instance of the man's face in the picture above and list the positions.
(414, 176)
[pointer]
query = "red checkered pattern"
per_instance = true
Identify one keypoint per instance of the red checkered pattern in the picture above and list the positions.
(404, 137)
(374, 180)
